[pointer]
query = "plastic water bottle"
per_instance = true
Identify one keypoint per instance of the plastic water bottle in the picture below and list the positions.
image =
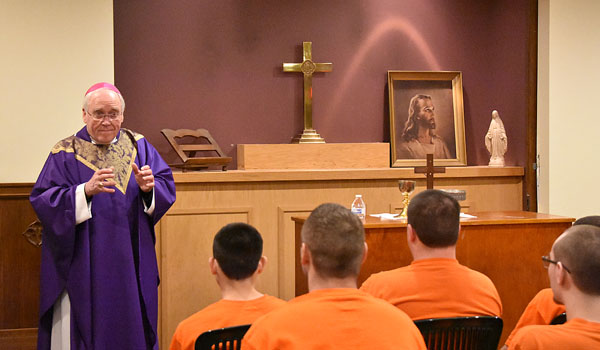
(358, 207)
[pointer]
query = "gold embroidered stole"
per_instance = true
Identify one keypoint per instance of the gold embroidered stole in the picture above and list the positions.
(119, 155)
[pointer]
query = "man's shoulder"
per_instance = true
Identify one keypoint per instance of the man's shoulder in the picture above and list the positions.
(452, 268)
(408, 144)
(540, 336)
(204, 314)
(544, 296)
(65, 145)
(386, 309)
(307, 308)
(395, 273)
(576, 332)
(274, 301)
(476, 274)
(374, 282)
(135, 135)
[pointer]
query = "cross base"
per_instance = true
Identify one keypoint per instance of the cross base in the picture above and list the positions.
(308, 136)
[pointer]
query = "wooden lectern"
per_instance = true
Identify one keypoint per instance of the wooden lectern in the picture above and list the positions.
(202, 141)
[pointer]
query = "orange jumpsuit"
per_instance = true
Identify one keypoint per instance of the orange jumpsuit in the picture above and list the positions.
(436, 288)
(575, 334)
(339, 318)
(223, 313)
(541, 310)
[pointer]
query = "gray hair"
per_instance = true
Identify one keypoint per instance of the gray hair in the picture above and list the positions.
(86, 99)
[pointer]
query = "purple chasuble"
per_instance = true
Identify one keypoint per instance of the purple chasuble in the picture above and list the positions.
(107, 264)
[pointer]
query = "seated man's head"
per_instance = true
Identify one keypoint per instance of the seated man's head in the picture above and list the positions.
(333, 242)
(593, 220)
(237, 251)
(434, 217)
(574, 265)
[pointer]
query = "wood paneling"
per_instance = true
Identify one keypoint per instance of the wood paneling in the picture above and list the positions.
(19, 270)
(18, 339)
(286, 247)
(314, 156)
(186, 244)
(481, 172)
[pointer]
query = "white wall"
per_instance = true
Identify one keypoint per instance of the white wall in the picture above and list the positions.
(568, 120)
(52, 51)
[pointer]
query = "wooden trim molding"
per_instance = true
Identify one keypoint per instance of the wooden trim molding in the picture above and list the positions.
(285, 247)
(15, 190)
(340, 174)
(530, 181)
(21, 339)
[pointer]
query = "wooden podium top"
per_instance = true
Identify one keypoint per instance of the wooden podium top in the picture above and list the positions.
(482, 218)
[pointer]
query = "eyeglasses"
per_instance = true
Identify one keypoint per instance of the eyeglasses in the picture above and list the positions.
(100, 116)
(547, 261)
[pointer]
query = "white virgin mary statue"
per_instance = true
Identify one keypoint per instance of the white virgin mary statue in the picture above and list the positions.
(496, 141)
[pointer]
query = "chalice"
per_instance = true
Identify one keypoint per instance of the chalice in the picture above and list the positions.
(406, 187)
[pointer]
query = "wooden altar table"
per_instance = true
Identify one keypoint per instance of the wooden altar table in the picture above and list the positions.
(506, 246)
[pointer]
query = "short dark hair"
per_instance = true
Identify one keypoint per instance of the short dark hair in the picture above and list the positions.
(237, 247)
(335, 238)
(579, 251)
(593, 220)
(435, 216)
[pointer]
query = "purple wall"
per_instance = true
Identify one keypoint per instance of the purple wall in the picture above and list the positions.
(217, 65)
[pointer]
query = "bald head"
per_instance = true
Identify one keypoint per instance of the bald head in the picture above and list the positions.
(578, 248)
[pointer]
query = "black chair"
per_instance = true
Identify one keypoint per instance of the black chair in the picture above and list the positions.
(560, 319)
(229, 338)
(461, 333)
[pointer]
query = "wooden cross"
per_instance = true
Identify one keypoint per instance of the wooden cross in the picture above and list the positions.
(429, 170)
(308, 67)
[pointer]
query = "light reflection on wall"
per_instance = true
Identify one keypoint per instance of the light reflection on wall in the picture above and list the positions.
(393, 26)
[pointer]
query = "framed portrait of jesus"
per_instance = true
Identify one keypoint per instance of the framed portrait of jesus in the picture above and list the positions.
(426, 117)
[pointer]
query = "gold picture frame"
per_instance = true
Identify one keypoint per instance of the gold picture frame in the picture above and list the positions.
(434, 101)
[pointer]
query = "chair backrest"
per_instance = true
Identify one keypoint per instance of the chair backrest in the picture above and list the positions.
(229, 338)
(461, 333)
(559, 319)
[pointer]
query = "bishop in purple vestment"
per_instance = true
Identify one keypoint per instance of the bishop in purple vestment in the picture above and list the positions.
(98, 196)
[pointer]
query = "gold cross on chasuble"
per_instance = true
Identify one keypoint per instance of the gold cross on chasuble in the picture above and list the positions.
(429, 170)
(308, 67)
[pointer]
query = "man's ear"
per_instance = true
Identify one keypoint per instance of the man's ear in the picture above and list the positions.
(261, 264)
(411, 235)
(561, 274)
(364, 258)
(304, 255)
(213, 265)
(84, 116)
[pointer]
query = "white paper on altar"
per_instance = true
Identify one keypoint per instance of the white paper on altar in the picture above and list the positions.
(389, 216)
